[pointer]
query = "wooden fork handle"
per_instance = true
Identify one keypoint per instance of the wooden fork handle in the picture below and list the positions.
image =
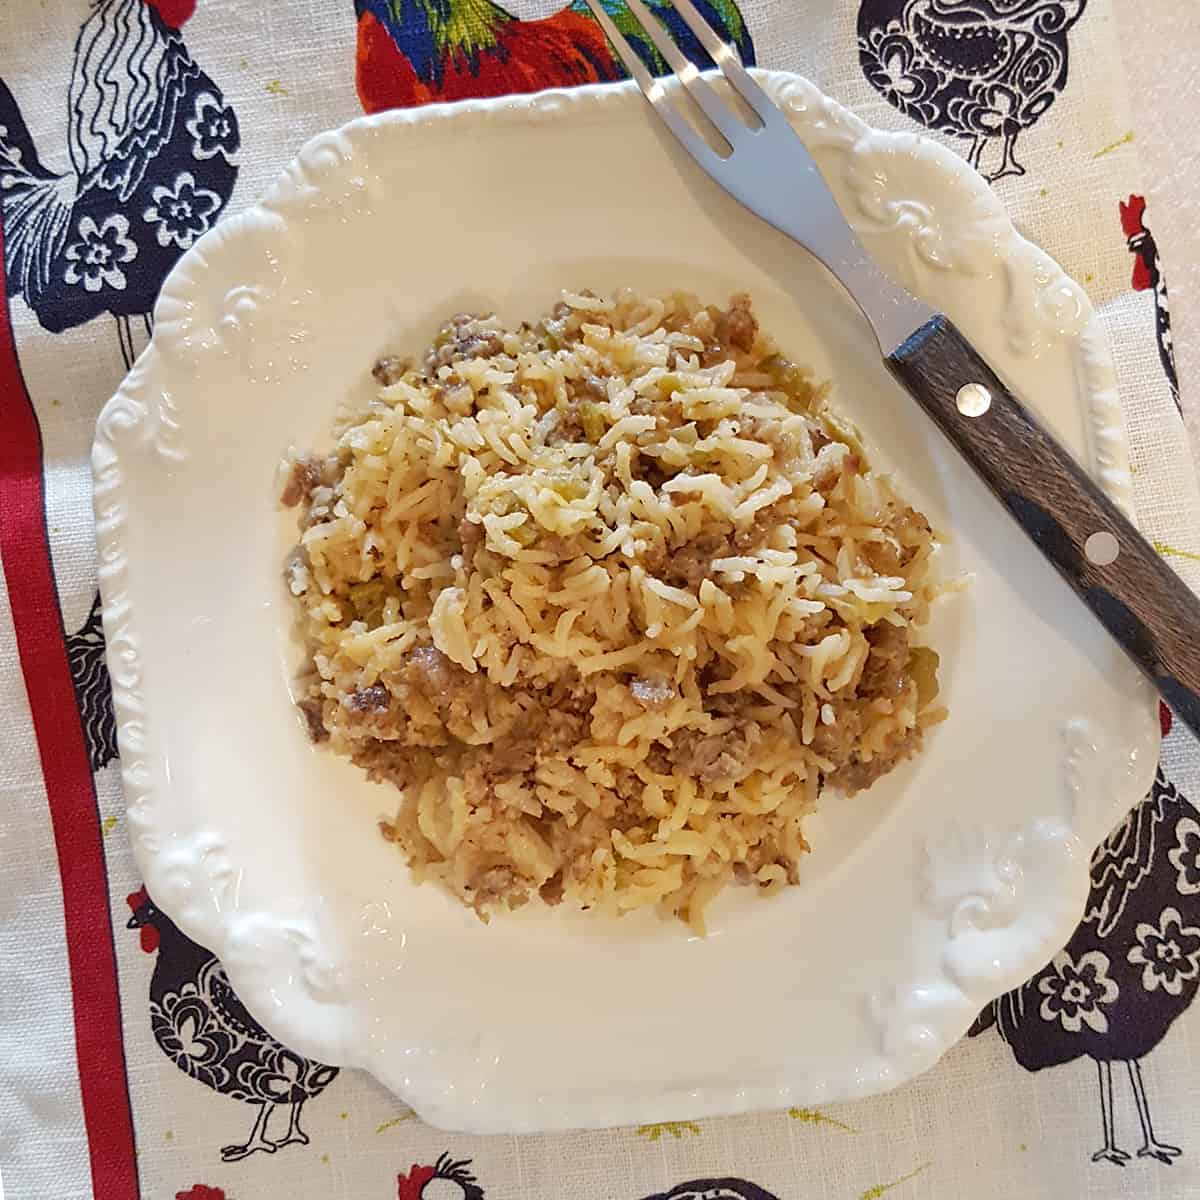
(1146, 607)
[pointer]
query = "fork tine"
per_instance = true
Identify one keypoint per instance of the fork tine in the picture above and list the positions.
(687, 73)
(653, 89)
(625, 52)
(726, 58)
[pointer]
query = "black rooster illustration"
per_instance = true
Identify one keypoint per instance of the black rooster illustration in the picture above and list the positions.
(93, 688)
(1131, 967)
(152, 147)
(204, 1029)
(978, 69)
(715, 1189)
(1148, 277)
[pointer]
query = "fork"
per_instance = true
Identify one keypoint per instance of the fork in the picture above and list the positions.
(1117, 574)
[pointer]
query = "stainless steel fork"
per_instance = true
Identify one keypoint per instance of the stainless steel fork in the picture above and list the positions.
(1119, 576)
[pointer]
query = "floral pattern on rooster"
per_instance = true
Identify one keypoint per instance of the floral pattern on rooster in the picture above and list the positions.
(413, 52)
(153, 153)
(1130, 969)
(204, 1029)
(983, 70)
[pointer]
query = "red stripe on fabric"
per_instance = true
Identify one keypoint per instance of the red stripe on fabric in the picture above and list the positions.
(37, 622)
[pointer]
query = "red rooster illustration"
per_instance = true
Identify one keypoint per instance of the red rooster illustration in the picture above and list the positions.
(206, 1031)
(416, 51)
(152, 147)
(447, 1179)
(1148, 277)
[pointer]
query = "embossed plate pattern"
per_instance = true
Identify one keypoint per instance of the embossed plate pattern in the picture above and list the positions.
(945, 884)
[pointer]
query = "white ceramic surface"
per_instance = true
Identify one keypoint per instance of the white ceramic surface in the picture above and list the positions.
(947, 883)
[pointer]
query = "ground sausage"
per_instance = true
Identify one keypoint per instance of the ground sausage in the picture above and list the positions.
(551, 891)
(490, 885)
(470, 533)
(465, 336)
(737, 326)
(429, 670)
(589, 387)
(886, 670)
(311, 709)
(389, 370)
(857, 775)
(369, 699)
(715, 758)
(691, 563)
(304, 477)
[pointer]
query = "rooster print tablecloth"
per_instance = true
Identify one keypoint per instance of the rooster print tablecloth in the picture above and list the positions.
(128, 1067)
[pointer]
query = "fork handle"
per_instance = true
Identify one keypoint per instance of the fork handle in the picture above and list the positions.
(1137, 597)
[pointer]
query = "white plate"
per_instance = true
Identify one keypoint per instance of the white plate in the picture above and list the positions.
(948, 882)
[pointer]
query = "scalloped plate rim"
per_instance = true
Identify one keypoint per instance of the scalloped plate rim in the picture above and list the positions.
(132, 405)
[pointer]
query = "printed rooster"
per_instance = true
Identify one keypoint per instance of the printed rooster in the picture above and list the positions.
(984, 70)
(447, 1179)
(204, 1029)
(152, 147)
(1131, 968)
(1148, 277)
(416, 51)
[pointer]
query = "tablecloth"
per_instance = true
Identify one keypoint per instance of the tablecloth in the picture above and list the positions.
(127, 129)
(1162, 62)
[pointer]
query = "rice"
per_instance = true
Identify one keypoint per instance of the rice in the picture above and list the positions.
(609, 599)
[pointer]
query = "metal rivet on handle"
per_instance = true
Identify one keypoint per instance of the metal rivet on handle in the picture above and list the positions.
(973, 399)
(1102, 549)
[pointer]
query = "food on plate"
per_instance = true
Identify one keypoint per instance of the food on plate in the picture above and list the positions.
(609, 598)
